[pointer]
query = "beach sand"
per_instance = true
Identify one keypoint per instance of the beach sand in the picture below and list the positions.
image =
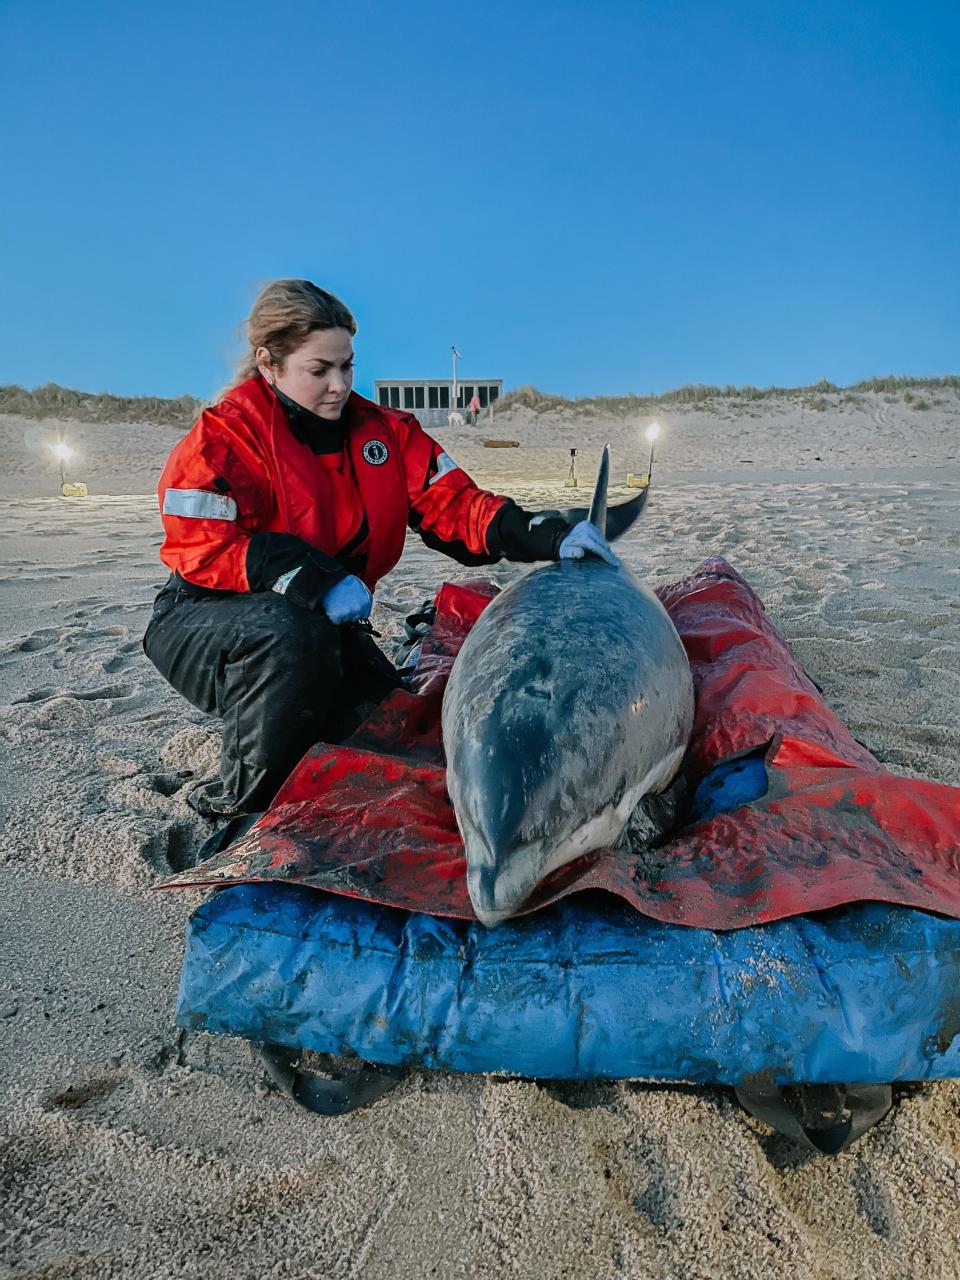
(127, 1150)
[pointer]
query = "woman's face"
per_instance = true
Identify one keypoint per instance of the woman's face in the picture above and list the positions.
(318, 375)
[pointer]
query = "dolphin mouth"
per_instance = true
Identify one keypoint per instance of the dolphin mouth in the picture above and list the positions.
(502, 875)
(500, 881)
(491, 904)
(482, 886)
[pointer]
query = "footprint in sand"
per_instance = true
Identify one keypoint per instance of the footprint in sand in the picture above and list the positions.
(87, 604)
(120, 608)
(174, 848)
(37, 695)
(637, 1174)
(45, 638)
(77, 1097)
(167, 784)
(873, 1201)
(112, 692)
(123, 657)
(58, 708)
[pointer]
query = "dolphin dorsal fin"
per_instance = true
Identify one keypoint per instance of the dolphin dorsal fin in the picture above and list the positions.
(598, 507)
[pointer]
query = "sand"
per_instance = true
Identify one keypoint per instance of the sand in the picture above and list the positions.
(128, 1150)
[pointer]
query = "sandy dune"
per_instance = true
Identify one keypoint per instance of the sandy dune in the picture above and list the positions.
(126, 1150)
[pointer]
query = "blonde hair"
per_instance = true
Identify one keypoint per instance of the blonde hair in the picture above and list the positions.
(284, 314)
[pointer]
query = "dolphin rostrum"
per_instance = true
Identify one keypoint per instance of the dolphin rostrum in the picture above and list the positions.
(570, 701)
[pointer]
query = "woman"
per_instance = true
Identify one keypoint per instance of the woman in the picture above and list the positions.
(282, 508)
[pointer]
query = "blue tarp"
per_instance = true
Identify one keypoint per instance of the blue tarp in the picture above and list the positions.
(587, 988)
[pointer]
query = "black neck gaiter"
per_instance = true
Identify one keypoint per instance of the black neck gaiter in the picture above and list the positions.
(318, 434)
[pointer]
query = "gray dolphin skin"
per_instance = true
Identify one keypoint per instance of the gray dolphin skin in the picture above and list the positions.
(570, 700)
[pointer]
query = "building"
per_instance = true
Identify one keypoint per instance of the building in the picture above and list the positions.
(429, 398)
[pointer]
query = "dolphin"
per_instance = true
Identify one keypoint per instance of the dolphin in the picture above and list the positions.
(569, 702)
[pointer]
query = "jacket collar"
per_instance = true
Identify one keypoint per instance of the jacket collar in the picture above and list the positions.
(320, 435)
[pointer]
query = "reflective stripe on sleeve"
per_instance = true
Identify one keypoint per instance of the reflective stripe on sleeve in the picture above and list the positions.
(444, 464)
(285, 579)
(198, 504)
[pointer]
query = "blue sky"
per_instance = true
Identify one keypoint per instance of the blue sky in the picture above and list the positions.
(595, 198)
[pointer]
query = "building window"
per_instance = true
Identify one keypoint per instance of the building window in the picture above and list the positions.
(435, 396)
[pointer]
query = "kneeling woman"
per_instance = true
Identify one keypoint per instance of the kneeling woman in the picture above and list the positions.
(283, 507)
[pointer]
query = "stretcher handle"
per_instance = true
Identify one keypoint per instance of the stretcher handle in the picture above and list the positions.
(867, 1104)
(332, 1097)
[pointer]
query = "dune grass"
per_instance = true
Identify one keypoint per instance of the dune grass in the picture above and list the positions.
(703, 395)
(53, 401)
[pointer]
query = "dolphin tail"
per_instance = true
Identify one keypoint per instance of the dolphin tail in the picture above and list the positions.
(615, 521)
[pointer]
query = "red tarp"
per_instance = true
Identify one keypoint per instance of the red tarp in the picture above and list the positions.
(371, 818)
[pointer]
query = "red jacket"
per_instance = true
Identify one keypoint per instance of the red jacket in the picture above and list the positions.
(241, 472)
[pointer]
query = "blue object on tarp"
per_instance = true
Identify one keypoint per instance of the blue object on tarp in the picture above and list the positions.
(587, 988)
(731, 784)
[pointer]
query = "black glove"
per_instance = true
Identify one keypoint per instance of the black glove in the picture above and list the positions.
(516, 534)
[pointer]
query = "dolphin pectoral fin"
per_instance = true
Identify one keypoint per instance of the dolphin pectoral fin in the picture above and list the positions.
(657, 816)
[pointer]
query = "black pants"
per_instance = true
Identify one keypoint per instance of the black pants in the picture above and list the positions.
(280, 677)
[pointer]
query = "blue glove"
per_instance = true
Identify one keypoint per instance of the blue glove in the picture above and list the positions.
(586, 538)
(347, 601)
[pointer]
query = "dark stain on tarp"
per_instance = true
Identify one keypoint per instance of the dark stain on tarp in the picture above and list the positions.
(948, 1030)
